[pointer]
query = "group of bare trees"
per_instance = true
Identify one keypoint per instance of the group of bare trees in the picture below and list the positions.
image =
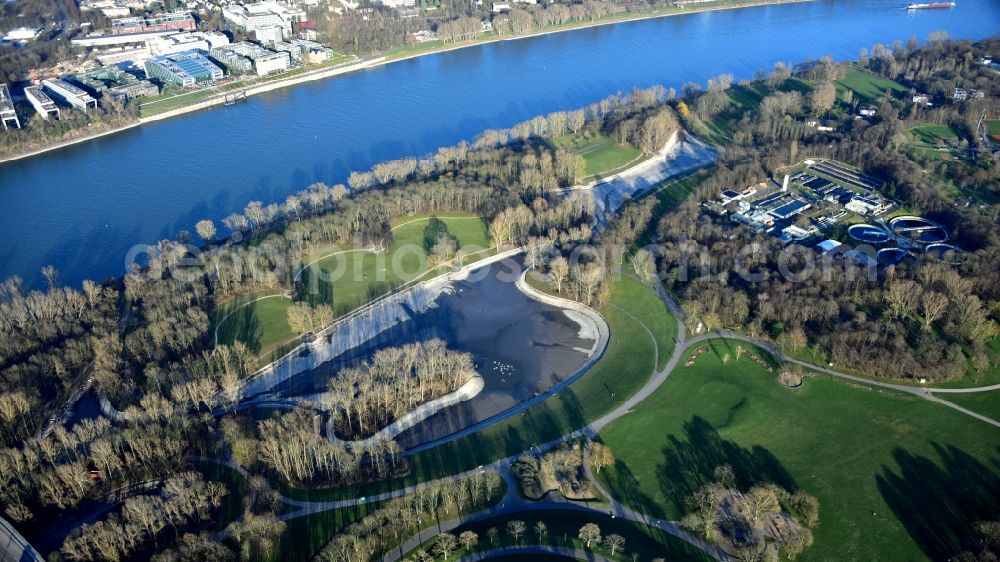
(291, 447)
(394, 382)
(721, 512)
(396, 520)
(183, 500)
(53, 472)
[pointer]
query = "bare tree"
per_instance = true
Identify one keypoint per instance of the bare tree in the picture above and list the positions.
(206, 230)
(468, 539)
(516, 528)
(445, 545)
(590, 534)
(614, 543)
(541, 530)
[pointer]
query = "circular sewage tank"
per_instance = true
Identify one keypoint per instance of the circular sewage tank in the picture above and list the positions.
(890, 256)
(938, 251)
(918, 229)
(867, 233)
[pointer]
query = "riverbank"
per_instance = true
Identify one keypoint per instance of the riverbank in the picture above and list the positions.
(389, 58)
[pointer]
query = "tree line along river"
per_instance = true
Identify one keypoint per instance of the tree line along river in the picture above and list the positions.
(83, 207)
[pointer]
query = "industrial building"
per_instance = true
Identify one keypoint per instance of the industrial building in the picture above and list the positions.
(182, 69)
(42, 103)
(7, 113)
(70, 94)
(180, 42)
(175, 21)
(254, 17)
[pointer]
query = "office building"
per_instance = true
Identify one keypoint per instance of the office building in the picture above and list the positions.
(182, 69)
(42, 103)
(311, 52)
(271, 62)
(127, 92)
(7, 113)
(244, 56)
(70, 94)
(97, 81)
(270, 34)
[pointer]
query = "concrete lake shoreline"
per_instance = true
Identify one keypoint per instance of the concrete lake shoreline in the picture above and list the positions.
(366, 63)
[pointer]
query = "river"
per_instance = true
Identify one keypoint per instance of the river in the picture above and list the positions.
(82, 208)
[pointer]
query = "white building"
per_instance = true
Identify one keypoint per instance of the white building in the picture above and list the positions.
(252, 17)
(179, 42)
(70, 94)
(271, 63)
(42, 103)
(7, 113)
(270, 34)
(22, 34)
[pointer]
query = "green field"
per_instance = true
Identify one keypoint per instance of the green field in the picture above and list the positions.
(868, 87)
(627, 365)
(563, 528)
(348, 280)
(985, 403)
(993, 128)
(934, 134)
(897, 477)
(602, 156)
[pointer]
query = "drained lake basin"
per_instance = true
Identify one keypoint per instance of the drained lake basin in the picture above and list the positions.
(521, 347)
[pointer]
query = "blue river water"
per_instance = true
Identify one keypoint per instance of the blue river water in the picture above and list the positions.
(82, 208)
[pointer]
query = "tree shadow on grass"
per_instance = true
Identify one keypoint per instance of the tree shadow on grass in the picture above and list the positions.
(938, 503)
(242, 326)
(626, 489)
(688, 463)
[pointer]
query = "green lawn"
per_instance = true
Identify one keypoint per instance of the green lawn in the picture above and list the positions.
(348, 280)
(627, 364)
(897, 477)
(985, 403)
(262, 325)
(934, 134)
(601, 155)
(868, 87)
(563, 528)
